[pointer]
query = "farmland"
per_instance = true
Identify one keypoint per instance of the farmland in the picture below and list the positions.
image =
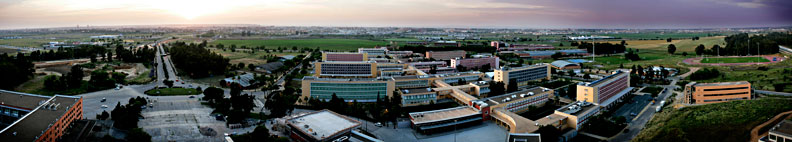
(324, 44)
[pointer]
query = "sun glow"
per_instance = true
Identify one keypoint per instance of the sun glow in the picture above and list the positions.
(191, 9)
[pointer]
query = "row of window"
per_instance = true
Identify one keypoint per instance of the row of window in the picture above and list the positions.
(412, 84)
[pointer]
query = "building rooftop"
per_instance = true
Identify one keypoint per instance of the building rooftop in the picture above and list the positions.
(722, 83)
(347, 79)
(416, 90)
(507, 68)
(609, 77)
(323, 124)
(576, 108)
(442, 114)
(516, 95)
(562, 63)
(784, 127)
(33, 124)
(243, 80)
(21, 100)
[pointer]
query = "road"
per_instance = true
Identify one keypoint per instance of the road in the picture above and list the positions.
(646, 114)
(773, 93)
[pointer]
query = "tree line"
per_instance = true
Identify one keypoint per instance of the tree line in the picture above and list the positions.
(603, 47)
(739, 44)
(82, 51)
(197, 61)
(14, 70)
(468, 48)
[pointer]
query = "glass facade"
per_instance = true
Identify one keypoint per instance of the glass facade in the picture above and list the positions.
(529, 74)
(412, 84)
(349, 91)
(418, 99)
(346, 69)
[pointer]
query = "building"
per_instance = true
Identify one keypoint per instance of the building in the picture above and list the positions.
(400, 53)
(321, 126)
(504, 109)
(446, 43)
(374, 52)
(269, 67)
(360, 89)
(344, 56)
(471, 63)
(346, 69)
(782, 132)
(548, 53)
(244, 81)
(426, 65)
(445, 119)
(30, 117)
(606, 91)
(784, 50)
(416, 43)
(564, 65)
(578, 113)
(526, 47)
(418, 96)
(445, 55)
(705, 93)
(522, 75)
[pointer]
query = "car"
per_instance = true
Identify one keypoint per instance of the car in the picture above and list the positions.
(659, 108)
(104, 106)
(117, 88)
(103, 100)
(633, 114)
(378, 124)
(192, 96)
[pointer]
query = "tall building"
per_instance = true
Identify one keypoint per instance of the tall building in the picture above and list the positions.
(30, 117)
(705, 93)
(346, 69)
(344, 56)
(522, 75)
(605, 91)
(360, 89)
(445, 55)
(470, 63)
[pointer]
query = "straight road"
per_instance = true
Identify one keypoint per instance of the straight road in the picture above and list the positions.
(646, 115)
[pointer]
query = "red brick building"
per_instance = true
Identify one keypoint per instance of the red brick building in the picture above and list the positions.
(38, 118)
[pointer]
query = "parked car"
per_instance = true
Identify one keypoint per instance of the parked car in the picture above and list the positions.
(378, 124)
(192, 96)
(104, 106)
(103, 100)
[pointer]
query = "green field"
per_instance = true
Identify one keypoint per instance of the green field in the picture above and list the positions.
(26, 42)
(324, 44)
(734, 60)
(729, 122)
(172, 91)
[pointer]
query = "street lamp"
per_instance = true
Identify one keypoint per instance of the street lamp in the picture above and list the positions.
(455, 128)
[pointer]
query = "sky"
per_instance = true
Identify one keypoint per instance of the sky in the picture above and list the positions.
(16, 14)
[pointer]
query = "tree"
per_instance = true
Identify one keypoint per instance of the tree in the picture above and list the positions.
(700, 49)
(119, 77)
(109, 56)
(251, 67)
(512, 86)
(213, 94)
(549, 133)
(671, 49)
(168, 83)
(668, 40)
(623, 43)
(557, 55)
(75, 77)
(100, 79)
(260, 134)
(684, 54)
(497, 88)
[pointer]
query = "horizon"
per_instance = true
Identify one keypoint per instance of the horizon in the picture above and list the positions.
(536, 14)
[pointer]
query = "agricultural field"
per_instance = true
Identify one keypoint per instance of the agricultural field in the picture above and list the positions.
(762, 80)
(655, 52)
(734, 60)
(8, 50)
(656, 35)
(324, 44)
(28, 42)
(729, 121)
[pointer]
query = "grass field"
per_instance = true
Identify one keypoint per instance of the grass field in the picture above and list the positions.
(172, 91)
(26, 42)
(734, 60)
(250, 58)
(8, 50)
(328, 44)
(141, 79)
(762, 80)
(729, 122)
(655, 52)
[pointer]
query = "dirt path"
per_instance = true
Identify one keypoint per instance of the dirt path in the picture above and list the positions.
(692, 70)
(755, 131)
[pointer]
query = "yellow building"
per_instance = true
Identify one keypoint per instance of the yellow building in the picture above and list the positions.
(522, 75)
(578, 113)
(605, 91)
(705, 93)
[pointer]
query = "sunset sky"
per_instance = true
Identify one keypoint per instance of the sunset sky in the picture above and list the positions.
(412, 13)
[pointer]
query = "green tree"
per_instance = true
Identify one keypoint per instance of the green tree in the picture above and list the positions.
(671, 49)
(512, 86)
(700, 49)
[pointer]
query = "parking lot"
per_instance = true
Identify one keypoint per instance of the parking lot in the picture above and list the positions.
(181, 120)
(631, 109)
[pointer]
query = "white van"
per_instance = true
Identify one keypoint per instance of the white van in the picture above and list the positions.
(659, 108)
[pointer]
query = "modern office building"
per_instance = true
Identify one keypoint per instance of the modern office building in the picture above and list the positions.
(346, 69)
(360, 89)
(705, 93)
(344, 56)
(418, 96)
(374, 52)
(781, 132)
(445, 55)
(446, 43)
(606, 91)
(471, 63)
(321, 126)
(548, 53)
(30, 117)
(445, 119)
(522, 75)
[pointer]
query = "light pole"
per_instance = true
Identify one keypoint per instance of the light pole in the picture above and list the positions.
(455, 128)
(593, 54)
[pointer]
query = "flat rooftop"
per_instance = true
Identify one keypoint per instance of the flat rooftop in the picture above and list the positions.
(32, 125)
(416, 90)
(722, 83)
(347, 79)
(604, 79)
(442, 114)
(584, 108)
(523, 67)
(323, 123)
(517, 95)
(21, 100)
(784, 127)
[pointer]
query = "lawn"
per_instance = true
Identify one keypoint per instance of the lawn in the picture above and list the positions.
(249, 58)
(730, 121)
(141, 79)
(329, 44)
(734, 60)
(172, 92)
